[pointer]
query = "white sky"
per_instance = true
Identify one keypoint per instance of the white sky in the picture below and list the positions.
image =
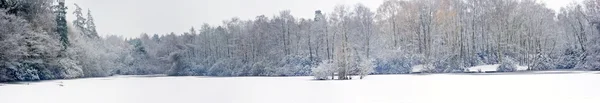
(130, 18)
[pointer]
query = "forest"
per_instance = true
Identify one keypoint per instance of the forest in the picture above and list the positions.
(444, 36)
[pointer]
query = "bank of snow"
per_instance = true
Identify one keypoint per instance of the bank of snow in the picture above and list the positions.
(436, 88)
(491, 68)
(417, 69)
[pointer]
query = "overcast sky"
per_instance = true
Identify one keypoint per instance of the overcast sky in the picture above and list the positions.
(130, 18)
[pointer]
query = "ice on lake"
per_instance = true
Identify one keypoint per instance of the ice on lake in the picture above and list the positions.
(576, 87)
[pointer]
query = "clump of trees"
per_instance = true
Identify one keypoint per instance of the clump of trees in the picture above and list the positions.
(279, 46)
(450, 35)
(39, 44)
(31, 46)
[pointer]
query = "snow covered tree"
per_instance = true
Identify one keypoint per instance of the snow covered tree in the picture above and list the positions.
(91, 26)
(12, 32)
(80, 21)
(61, 24)
(342, 49)
(592, 59)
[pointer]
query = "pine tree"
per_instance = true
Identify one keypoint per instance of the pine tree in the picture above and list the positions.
(91, 26)
(80, 21)
(61, 22)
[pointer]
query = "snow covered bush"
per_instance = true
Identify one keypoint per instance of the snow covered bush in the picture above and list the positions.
(8, 71)
(324, 70)
(261, 69)
(179, 65)
(71, 69)
(392, 66)
(187, 69)
(227, 67)
(486, 57)
(294, 65)
(592, 59)
(543, 62)
(444, 64)
(507, 65)
(27, 72)
(395, 62)
(567, 59)
(593, 63)
(366, 67)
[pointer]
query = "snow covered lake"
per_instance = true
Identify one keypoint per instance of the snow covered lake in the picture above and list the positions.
(576, 87)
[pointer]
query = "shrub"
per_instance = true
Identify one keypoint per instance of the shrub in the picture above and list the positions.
(507, 65)
(323, 71)
(366, 67)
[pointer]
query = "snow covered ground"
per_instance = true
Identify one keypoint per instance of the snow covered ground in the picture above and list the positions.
(483, 68)
(436, 88)
(492, 68)
(522, 68)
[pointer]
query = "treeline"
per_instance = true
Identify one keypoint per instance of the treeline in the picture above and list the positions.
(443, 35)
(440, 35)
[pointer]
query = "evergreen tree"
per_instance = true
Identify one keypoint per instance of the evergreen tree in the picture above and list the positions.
(91, 26)
(80, 21)
(61, 24)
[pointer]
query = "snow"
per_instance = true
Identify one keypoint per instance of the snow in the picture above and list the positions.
(484, 68)
(522, 68)
(435, 88)
(417, 68)
(492, 68)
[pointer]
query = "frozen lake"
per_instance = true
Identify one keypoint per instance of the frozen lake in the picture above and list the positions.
(580, 87)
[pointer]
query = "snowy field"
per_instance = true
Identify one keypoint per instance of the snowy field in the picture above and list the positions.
(573, 87)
